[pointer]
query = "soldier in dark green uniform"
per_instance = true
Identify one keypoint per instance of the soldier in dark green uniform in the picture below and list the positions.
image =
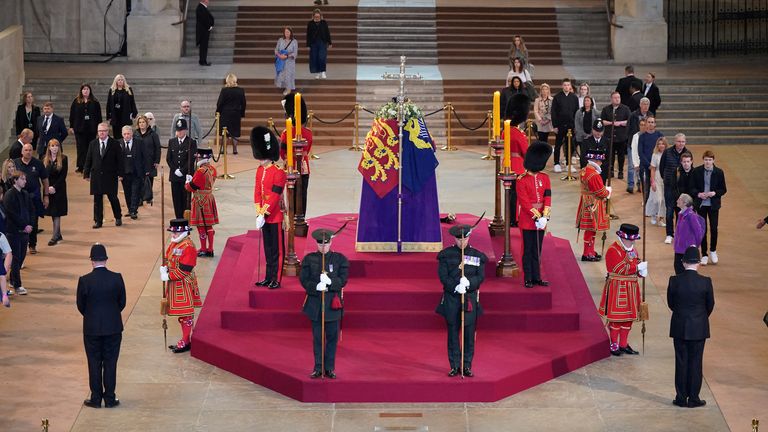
(454, 285)
(329, 279)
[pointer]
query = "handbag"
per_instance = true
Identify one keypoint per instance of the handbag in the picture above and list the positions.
(644, 314)
(147, 189)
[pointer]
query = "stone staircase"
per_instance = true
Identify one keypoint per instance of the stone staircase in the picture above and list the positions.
(480, 35)
(259, 27)
(384, 34)
(221, 45)
(584, 35)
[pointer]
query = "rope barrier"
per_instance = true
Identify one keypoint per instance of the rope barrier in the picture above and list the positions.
(485, 120)
(209, 131)
(436, 111)
(367, 110)
(352, 111)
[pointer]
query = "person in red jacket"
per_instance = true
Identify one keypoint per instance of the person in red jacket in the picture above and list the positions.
(301, 165)
(592, 216)
(268, 198)
(181, 290)
(204, 214)
(517, 111)
(534, 198)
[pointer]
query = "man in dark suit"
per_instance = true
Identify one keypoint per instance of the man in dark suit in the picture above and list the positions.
(691, 298)
(651, 91)
(623, 85)
(634, 97)
(103, 166)
(49, 126)
(707, 189)
(135, 168)
(100, 299)
(203, 29)
(180, 164)
(25, 137)
(616, 115)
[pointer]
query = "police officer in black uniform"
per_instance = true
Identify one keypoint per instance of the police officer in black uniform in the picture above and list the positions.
(324, 272)
(180, 164)
(594, 142)
(454, 285)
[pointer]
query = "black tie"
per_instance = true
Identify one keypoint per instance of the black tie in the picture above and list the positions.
(103, 148)
(46, 123)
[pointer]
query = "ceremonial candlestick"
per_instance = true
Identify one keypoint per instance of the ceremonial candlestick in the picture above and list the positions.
(496, 227)
(297, 114)
(506, 266)
(496, 114)
(291, 263)
(300, 224)
(507, 149)
(289, 136)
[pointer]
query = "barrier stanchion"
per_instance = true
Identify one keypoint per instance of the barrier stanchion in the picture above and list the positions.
(569, 163)
(310, 117)
(489, 118)
(529, 130)
(226, 175)
(356, 140)
(448, 147)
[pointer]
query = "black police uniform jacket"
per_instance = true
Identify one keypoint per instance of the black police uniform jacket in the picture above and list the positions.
(337, 269)
(181, 156)
(450, 273)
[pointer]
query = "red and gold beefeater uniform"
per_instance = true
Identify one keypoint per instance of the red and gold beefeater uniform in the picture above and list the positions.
(181, 289)
(204, 214)
(592, 215)
(534, 198)
(267, 196)
(620, 301)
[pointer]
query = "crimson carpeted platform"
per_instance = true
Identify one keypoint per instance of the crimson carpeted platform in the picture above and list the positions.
(394, 344)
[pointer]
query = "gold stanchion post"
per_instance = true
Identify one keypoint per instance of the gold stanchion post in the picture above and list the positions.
(226, 175)
(356, 140)
(489, 116)
(569, 157)
(310, 117)
(529, 130)
(448, 147)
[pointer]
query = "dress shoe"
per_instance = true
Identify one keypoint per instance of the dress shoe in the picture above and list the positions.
(134, 215)
(96, 226)
(92, 404)
(201, 253)
(265, 282)
(616, 352)
(598, 256)
(315, 374)
(39, 230)
(204, 64)
(274, 285)
(630, 190)
(513, 224)
(621, 175)
(118, 222)
(590, 258)
(185, 348)
(468, 373)
(52, 242)
(32, 250)
(528, 284)
(628, 350)
(112, 404)
(453, 372)
(330, 374)
(695, 403)
(680, 402)
(541, 282)
(209, 254)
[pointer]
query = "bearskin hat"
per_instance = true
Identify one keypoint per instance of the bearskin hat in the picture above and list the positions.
(517, 109)
(537, 156)
(265, 144)
(289, 106)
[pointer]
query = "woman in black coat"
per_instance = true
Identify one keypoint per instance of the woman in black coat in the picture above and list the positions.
(121, 106)
(151, 152)
(27, 114)
(318, 41)
(56, 163)
(84, 117)
(231, 107)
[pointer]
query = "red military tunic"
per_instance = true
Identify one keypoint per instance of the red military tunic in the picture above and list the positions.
(305, 158)
(534, 199)
(593, 213)
(621, 293)
(181, 289)
(268, 191)
(203, 211)
(518, 145)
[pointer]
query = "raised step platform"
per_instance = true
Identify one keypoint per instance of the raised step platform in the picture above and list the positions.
(393, 345)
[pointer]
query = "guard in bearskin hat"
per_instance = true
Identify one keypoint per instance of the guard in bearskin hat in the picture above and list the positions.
(534, 198)
(181, 290)
(516, 111)
(180, 163)
(323, 275)
(461, 269)
(302, 165)
(267, 196)
(592, 215)
(620, 301)
(204, 214)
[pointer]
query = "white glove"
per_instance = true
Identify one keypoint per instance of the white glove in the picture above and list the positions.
(610, 190)
(321, 287)
(189, 178)
(642, 269)
(178, 173)
(164, 274)
(464, 282)
(541, 223)
(260, 221)
(460, 289)
(325, 279)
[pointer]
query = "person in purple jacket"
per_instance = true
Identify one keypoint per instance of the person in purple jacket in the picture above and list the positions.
(689, 230)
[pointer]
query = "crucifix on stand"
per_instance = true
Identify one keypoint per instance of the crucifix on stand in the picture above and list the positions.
(402, 76)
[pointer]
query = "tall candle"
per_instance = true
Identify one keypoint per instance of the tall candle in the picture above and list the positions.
(289, 135)
(507, 154)
(496, 114)
(297, 113)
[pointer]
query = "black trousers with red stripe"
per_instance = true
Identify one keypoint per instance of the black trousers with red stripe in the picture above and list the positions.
(274, 250)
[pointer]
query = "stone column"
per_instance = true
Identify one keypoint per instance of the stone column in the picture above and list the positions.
(643, 38)
(151, 35)
(12, 71)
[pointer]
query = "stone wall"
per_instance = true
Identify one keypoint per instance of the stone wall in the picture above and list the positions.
(66, 26)
(12, 71)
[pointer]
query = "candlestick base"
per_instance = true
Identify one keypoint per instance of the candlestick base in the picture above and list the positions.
(496, 227)
(291, 265)
(300, 226)
(507, 267)
(225, 177)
